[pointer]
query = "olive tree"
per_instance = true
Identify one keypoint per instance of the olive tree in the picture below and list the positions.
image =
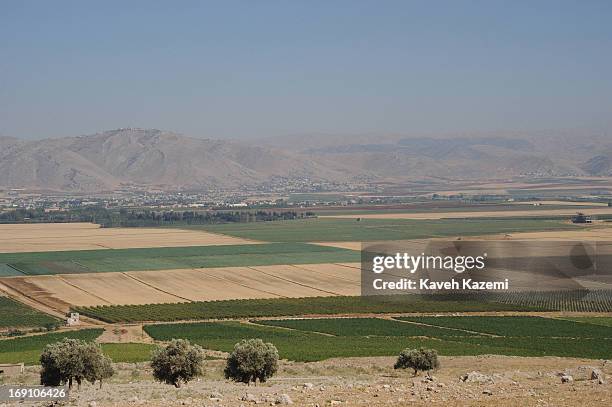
(97, 365)
(177, 362)
(252, 359)
(73, 360)
(418, 359)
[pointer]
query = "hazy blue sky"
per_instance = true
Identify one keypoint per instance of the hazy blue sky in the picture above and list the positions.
(259, 68)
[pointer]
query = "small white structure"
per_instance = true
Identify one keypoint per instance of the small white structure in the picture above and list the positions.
(11, 369)
(73, 319)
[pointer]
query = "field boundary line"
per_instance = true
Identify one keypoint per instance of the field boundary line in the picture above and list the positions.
(295, 282)
(125, 273)
(203, 270)
(16, 269)
(444, 327)
(249, 322)
(300, 267)
(347, 266)
(60, 277)
(250, 241)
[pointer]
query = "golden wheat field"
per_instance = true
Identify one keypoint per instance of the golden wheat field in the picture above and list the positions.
(40, 237)
(207, 284)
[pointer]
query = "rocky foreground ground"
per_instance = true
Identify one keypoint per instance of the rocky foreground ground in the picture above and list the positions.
(461, 381)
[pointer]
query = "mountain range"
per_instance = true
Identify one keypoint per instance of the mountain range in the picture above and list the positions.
(169, 161)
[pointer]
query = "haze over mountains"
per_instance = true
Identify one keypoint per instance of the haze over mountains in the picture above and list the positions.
(148, 157)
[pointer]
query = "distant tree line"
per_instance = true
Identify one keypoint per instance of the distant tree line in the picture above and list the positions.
(145, 217)
(133, 218)
(40, 215)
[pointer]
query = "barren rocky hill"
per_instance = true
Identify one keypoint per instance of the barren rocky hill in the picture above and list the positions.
(107, 160)
(147, 157)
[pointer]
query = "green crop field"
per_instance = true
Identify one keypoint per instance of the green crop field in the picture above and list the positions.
(8, 271)
(325, 229)
(488, 207)
(518, 326)
(579, 300)
(365, 327)
(164, 258)
(16, 315)
(303, 346)
(293, 307)
(128, 352)
(310, 340)
(603, 321)
(27, 349)
(546, 346)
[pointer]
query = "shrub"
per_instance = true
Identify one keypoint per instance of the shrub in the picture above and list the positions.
(73, 360)
(14, 333)
(51, 326)
(419, 360)
(178, 362)
(250, 360)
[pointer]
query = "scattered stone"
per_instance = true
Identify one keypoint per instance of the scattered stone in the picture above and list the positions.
(601, 380)
(476, 377)
(133, 399)
(566, 379)
(596, 374)
(283, 399)
(249, 397)
(487, 392)
(335, 402)
(216, 395)
(440, 385)
(92, 404)
(308, 386)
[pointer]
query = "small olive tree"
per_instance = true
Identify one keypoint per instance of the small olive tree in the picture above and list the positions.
(418, 359)
(252, 359)
(74, 360)
(97, 365)
(177, 362)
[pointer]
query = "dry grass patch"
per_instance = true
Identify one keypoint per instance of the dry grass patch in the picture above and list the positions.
(19, 238)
